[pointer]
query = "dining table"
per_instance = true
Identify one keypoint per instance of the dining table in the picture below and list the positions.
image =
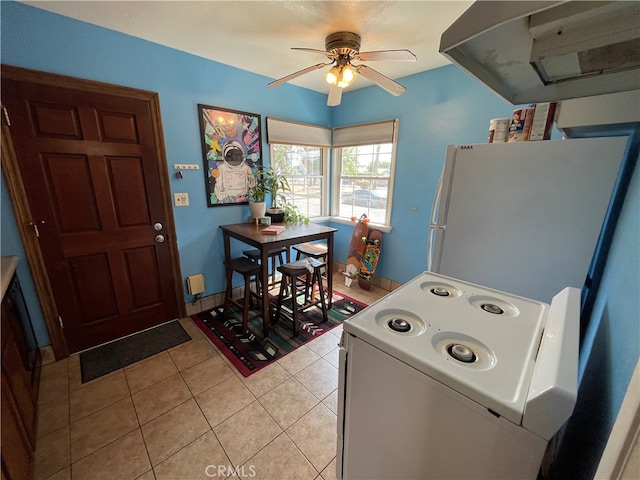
(293, 234)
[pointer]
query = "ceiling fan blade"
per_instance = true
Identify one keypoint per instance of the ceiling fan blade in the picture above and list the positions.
(392, 55)
(299, 73)
(314, 50)
(335, 96)
(391, 86)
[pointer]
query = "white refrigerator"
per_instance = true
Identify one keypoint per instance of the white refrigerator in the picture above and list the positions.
(525, 217)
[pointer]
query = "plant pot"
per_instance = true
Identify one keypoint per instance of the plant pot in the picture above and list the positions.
(276, 214)
(257, 209)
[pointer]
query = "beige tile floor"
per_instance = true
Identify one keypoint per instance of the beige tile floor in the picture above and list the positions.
(187, 413)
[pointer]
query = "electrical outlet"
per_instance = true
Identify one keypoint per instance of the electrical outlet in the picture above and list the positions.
(181, 199)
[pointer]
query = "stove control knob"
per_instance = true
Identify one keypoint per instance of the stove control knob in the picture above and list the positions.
(462, 353)
(399, 325)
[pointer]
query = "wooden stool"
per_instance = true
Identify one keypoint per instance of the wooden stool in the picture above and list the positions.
(301, 276)
(254, 256)
(313, 250)
(247, 269)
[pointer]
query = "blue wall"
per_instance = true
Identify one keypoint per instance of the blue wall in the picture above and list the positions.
(35, 39)
(440, 107)
(611, 345)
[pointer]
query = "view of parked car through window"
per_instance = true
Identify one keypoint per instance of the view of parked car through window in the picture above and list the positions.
(364, 181)
(365, 198)
(303, 167)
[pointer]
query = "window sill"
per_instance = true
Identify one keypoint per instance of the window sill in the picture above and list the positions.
(344, 221)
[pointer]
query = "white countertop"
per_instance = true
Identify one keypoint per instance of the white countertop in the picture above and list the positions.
(8, 265)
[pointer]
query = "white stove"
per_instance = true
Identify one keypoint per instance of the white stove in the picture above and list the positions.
(446, 379)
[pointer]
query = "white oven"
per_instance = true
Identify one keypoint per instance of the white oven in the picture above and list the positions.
(446, 379)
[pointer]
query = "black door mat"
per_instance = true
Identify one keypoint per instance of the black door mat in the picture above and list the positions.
(118, 354)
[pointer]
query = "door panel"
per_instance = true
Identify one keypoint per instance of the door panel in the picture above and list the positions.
(127, 180)
(89, 165)
(70, 190)
(93, 288)
(143, 276)
(55, 121)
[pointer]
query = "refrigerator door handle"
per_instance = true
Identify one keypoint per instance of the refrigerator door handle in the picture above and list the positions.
(433, 225)
(433, 229)
(436, 202)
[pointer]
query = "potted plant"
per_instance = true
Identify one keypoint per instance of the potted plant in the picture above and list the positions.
(270, 181)
(293, 215)
(277, 184)
(257, 193)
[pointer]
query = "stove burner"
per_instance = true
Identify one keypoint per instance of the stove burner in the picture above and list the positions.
(462, 353)
(440, 291)
(491, 308)
(399, 325)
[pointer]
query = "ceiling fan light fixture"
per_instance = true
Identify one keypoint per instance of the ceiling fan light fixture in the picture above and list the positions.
(341, 48)
(349, 74)
(333, 75)
(342, 83)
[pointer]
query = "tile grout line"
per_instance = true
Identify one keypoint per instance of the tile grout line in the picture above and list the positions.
(71, 369)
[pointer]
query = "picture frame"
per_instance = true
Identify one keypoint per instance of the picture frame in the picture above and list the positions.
(232, 153)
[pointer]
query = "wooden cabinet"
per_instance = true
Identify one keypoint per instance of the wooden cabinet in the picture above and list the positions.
(21, 362)
(17, 452)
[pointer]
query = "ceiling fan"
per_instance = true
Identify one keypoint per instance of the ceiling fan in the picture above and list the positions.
(342, 48)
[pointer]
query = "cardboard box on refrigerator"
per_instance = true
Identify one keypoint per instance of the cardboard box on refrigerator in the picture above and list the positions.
(542, 121)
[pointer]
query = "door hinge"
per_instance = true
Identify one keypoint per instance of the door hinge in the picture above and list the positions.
(6, 115)
(61, 322)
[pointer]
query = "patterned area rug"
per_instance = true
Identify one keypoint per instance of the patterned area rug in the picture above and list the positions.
(250, 352)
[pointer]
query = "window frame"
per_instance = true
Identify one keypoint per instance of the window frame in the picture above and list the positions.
(284, 132)
(364, 135)
(324, 173)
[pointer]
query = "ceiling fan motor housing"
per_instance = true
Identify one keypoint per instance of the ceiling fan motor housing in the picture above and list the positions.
(343, 43)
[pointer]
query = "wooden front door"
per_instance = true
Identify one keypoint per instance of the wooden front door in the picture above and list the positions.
(89, 164)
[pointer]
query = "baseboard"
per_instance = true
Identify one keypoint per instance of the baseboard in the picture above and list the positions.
(379, 282)
(47, 355)
(211, 301)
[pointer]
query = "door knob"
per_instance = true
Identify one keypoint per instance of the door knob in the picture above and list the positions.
(158, 226)
(159, 238)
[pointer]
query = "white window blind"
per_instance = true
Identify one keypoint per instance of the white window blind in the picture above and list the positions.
(367, 134)
(291, 133)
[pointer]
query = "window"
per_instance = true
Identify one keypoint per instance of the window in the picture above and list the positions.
(301, 152)
(303, 167)
(363, 177)
(364, 159)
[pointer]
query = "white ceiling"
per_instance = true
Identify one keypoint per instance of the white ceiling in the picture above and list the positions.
(257, 36)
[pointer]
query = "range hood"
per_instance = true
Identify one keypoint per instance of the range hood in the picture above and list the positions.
(531, 52)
